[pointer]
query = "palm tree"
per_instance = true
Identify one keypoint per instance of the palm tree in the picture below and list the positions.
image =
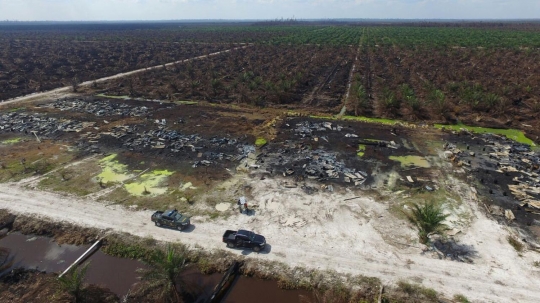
(216, 85)
(194, 84)
(362, 98)
(73, 282)
(438, 99)
(164, 274)
(427, 218)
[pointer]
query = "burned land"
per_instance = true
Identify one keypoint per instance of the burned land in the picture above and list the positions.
(29, 66)
(394, 72)
(333, 134)
(206, 142)
(301, 76)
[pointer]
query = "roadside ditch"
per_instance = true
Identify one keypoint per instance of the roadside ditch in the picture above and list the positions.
(43, 248)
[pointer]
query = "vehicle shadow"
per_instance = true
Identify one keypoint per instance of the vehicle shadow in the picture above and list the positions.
(267, 250)
(249, 251)
(456, 251)
(189, 229)
(249, 212)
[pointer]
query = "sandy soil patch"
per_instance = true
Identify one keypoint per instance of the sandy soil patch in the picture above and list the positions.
(223, 206)
(324, 231)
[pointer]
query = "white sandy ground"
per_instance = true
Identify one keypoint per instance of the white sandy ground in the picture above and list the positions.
(322, 231)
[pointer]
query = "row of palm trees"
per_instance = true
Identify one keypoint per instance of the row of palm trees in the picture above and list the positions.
(447, 82)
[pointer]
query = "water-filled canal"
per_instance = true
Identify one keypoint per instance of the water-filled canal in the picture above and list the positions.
(119, 275)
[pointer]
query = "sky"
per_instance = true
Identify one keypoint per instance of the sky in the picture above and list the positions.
(93, 10)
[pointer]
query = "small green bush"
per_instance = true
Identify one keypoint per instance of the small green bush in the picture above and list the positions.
(461, 299)
(516, 244)
(418, 291)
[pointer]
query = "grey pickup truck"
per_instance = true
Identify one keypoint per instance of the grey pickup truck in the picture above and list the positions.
(171, 219)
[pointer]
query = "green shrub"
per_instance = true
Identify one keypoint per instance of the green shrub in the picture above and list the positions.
(461, 299)
(427, 218)
(516, 244)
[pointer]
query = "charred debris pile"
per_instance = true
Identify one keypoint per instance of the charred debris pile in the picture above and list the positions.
(152, 134)
(505, 168)
(206, 150)
(298, 159)
(100, 108)
(293, 158)
(39, 124)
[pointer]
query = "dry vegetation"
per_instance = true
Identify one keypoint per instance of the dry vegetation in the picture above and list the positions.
(28, 66)
(305, 76)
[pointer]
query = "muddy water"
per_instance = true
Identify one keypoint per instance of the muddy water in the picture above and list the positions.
(255, 290)
(44, 254)
(119, 275)
(244, 289)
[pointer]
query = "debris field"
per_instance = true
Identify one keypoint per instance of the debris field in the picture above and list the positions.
(507, 175)
(305, 152)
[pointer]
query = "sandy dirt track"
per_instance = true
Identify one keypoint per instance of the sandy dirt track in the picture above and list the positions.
(319, 231)
(67, 90)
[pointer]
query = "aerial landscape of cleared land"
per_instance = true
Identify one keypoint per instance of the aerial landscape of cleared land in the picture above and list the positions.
(381, 162)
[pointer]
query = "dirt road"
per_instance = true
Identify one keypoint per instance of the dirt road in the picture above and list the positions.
(320, 231)
(67, 90)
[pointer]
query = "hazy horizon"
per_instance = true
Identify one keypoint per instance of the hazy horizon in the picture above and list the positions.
(192, 10)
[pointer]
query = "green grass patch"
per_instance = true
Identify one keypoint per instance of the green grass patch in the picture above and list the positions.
(461, 299)
(513, 134)
(11, 141)
(55, 183)
(260, 142)
(113, 97)
(71, 180)
(418, 291)
(373, 120)
(408, 161)
(149, 184)
(383, 121)
(169, 200)
(186, 102)
(293, 114)
(361, 150)
(139, 251)
(324, 117)
(113, 171)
